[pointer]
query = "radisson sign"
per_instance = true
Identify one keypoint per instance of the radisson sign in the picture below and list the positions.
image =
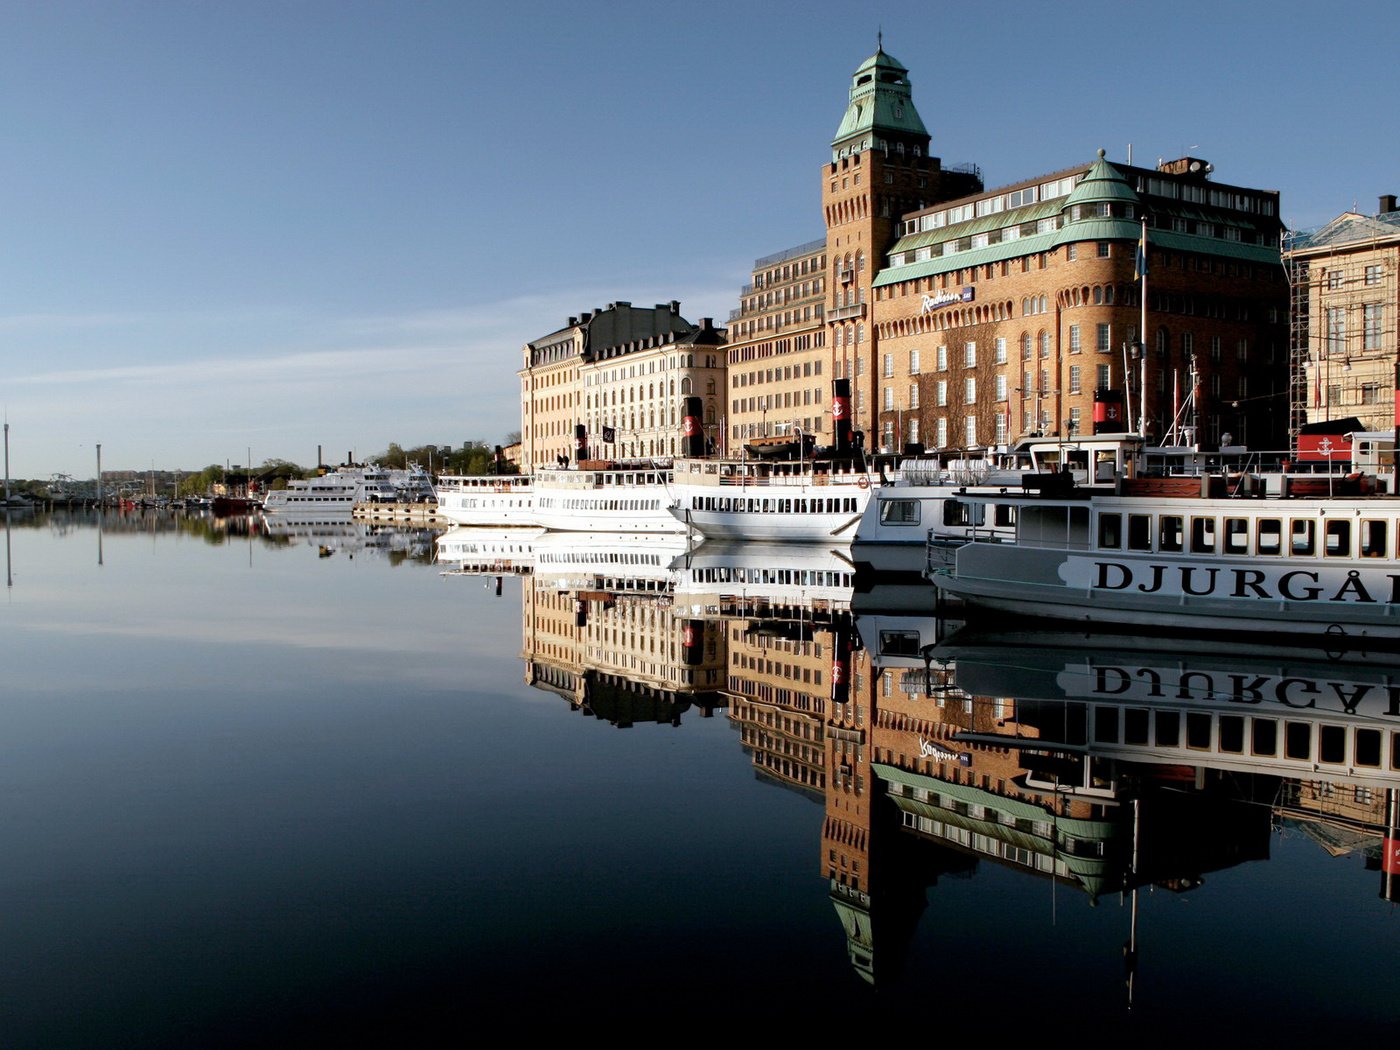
(946, 298)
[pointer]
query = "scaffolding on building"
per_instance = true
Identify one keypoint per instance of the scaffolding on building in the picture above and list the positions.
(1342, 320)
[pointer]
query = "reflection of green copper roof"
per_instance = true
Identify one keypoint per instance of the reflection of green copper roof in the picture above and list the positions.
(860, 938)
(1090, 872)
(880, 101)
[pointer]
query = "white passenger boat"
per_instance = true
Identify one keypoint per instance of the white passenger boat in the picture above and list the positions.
(1193, 563)
(487, 499)
(920, 506)
(334, 493)
(606, 496)
(796, 502)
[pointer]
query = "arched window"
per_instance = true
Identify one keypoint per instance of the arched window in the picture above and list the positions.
(685, 385)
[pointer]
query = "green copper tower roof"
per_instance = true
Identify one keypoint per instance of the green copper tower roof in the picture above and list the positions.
(1101, 184)
(881, 109)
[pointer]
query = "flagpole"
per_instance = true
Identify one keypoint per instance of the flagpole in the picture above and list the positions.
(1142, 362)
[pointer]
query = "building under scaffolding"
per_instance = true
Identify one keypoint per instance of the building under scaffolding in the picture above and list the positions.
(1344, 283)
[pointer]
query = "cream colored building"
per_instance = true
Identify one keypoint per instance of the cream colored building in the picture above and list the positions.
(779, 364)
(619, 372)
(1343, 314)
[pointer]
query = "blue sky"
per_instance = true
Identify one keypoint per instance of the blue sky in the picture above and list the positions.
(234, 226)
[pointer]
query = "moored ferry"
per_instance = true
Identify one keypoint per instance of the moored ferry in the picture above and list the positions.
(487, 499)
(606, 496)
(335, 493)
(1179, 554)
(799, 502)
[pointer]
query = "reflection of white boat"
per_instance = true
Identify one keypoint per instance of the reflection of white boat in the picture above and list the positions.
(1192, 563)
(335, 493)
(491, 499)
(339, 535)
(608, 562)
(474, 551)
(724, 575)
(611, 497)
(797, 501)
(1263, 709)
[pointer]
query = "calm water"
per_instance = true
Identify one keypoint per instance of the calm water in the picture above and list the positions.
(259, 789)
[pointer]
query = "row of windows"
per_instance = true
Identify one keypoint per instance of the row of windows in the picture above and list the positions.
(1245, 537)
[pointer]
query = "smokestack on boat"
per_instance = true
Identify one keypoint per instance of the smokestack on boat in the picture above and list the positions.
(692, 432)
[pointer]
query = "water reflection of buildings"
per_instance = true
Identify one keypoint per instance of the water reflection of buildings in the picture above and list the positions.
(1088, 769)
(599, 629)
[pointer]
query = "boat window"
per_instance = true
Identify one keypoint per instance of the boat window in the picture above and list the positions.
(900, 512)
(1169, 535)
(1203, 535)
(1302, 537)
(1005, 515)
(956, 512)
(1236, 535)
(1197, 730)
(1337, 538)
(1140, 532)
(1297, 740)
(1106, 724)
(1111, 531)
(1373, 539)
(1264, 733)
(1395, 750)
(1135, 724)
(1168, 729)
(1332, 744)
(1270, 536)
(1367, 747)
(1232, 734)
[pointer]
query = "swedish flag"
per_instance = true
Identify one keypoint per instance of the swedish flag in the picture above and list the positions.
(1140, 259)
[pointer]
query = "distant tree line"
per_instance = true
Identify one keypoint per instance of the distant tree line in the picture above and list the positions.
(475, 457)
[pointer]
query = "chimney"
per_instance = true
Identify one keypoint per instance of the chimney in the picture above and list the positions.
(572, 322)
(1387, 203)
(707, 324)
(675, 306)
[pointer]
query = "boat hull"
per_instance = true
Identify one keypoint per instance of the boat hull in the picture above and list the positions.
(1241, 596)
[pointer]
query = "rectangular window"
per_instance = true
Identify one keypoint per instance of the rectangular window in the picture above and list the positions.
(913, 395)
(1103, 246)
(914, 362)
(1074, 346)
(1001, 388)
(889, 399)
(971, 434)
(1111, 531)
(970, 355)
(1074, 421)
(1001, 350)
(942, 392)
(1336, 329)
(1003, 423)
(1371, 318)
(1075, 379)
(1373, 275)
(941, 362)
(969, 391)
(1103, 376)
(1102, 337)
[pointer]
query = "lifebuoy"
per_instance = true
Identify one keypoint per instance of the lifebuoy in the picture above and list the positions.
(863, 481)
